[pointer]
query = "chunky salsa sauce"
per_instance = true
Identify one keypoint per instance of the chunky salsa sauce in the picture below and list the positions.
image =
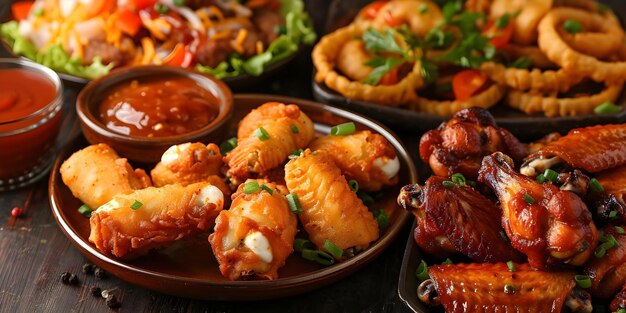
(158, 107)
(22, 93)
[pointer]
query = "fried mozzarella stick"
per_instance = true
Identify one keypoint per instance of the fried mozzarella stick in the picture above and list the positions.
(255, 236)
(330, 209)
(96, 174)
(363, 156)
(131, 224)
(266, 137)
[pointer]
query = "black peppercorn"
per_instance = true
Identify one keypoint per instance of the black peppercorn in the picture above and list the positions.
(98, 272)
(65, 278)
(88, 268)
(96, 292)
(112, 302)
(73, 279)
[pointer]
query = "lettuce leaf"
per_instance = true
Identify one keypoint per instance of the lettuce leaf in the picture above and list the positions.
(53, 57)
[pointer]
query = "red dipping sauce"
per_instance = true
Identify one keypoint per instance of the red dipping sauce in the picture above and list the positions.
(160, 107)
(30, 103)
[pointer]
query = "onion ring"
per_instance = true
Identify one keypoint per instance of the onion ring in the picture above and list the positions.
(485, 99)
(408, 12)
(598, 42)
(531, 103)
(559, 52)
(325, 56)
(529, 14)
(588, 5)
(534, 80)
(532, 52)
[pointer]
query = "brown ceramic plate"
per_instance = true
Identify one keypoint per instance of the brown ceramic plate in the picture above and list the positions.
(520, 124)
(188, 268)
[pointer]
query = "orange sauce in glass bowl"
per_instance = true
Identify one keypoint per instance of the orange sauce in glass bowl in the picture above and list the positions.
(162, 107)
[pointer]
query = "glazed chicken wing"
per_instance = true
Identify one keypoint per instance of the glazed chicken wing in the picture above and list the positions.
(459, 145)
(619, 301)
(266, 137)
(549, 225)
(363, 156)
(611, 200)
(608, 272)
(469, 220)
(330, 209)
(131, 224)
(255, 236)
(96, 174)
(494, 288)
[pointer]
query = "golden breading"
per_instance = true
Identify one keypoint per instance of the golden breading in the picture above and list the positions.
(287, 129)
(527, 14)
(130, 225)
(363, 156)
(539, 60)
(255, 236)
(485, 99)
(96, 174)
(330, 210)
(535, 80)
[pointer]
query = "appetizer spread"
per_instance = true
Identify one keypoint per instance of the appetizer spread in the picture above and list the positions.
(293, 189)
(88, 38)
(544, 222)
(556, 58)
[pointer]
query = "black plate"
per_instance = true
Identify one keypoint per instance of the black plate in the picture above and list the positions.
(520, 124)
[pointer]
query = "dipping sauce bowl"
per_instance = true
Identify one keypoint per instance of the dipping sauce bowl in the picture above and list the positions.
(31, 100)
(142, 111)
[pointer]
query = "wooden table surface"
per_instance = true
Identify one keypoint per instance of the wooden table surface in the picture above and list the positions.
(34, 251)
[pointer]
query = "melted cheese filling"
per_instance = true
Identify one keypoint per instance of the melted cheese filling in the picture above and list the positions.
(389, 167)
(258, 244)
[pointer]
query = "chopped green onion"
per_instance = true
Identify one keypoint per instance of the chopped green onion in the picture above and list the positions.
(38, 12)
(300, 244)
(354, 185)
(294, 203)
(503, 21)
(595, 185)
(295, 154)
(600, 251)
(511, 266)
(366, 198)
(423, 8)
(503, 236)
(267, 188)
(622, 310)
(619, 230)
(161, 8)
(541, 178)
(422, 271)
(179, 3)
(572, 26)
(262, 134)
(136, 205)
(523, 62)
(583, 281)
(509, 289)
(382, 218)
(318, 256)
(528, 198)
(228, 145)
(458, 178)
(294, 129)
(343, 129)
(85, 210)
(613, 214)
(333, 249)
(251, 187)
(448, 184)
(446, 262)
(551, 175)
(606, 108)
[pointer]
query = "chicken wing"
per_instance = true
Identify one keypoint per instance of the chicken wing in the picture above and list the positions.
(266, 137)
(609, 205)
(459, 145)
(608, 272)
(131, 224)
(255, 236)
(469, 220)
(592, 149)
(96, 174)
(495, 288)
(619, 301)
(330, 209)
(363, 156)
(551, 226)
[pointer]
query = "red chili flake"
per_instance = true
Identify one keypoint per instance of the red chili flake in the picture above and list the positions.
(16, 212)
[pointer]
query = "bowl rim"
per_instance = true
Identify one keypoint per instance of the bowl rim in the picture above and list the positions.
(85, 103)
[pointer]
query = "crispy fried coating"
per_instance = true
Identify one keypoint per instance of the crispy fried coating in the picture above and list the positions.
(288, 129)
(96, 174)
(539, 60)
(331, 211)
(535, 80)
(131, 224)
(187, 163)
(526, 16)
(255, 236)
(485, 99)
(363, 156)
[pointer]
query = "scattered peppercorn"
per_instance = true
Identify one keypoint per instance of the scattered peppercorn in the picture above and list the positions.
(106, 293)
(88, 268)
(96, 292)
(73, 279)
(99, 273)
(112, 302)
(16, 212)
(65, 278)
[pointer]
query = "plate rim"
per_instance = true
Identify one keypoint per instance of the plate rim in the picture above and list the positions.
(331, 272)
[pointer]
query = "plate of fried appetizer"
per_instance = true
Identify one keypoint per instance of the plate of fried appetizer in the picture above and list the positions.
(538, 66)
(513, 227)
(86, 39)
(300, 196)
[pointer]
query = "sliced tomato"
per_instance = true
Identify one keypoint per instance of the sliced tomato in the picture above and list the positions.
(392, 21)
(391, 78)
(467, 83)
(371, 10)
(180, 57)
(141, 4)
(500, 37)
(128, 21)
(97, 7)
(21, 9)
